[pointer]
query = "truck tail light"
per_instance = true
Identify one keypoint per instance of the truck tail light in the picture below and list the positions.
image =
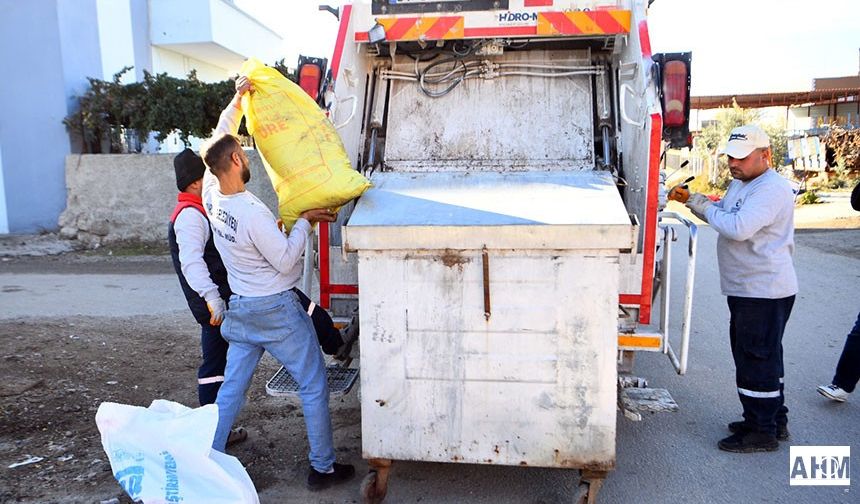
(309, 80)
(675, 94)
(674, 81)
(310, 73)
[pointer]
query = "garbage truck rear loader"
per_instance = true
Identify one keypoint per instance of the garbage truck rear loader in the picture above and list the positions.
(513, 255)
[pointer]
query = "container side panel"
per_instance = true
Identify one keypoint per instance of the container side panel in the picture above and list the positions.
(532, 385)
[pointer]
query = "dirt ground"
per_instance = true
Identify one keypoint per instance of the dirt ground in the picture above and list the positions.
(54, 373)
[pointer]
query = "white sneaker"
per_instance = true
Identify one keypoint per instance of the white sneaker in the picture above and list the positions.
(833, 392)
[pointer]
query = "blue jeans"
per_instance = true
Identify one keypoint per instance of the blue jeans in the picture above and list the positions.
(279, 325)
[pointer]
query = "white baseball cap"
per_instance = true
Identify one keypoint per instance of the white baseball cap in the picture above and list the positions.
(745, 139)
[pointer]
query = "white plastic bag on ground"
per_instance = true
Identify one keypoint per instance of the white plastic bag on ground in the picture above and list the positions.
(164, 454)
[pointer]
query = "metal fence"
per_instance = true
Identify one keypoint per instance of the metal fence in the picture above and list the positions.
(697, 164)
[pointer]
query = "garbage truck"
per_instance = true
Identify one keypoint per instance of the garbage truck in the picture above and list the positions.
(514, 253)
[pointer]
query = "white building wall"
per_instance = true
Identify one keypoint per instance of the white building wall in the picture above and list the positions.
(212, 30)
(116, 36)
(804, 118)
(178, 65)
(140, 35)
(173, 22)
(230, 26)
(850, 112)
(799, 120)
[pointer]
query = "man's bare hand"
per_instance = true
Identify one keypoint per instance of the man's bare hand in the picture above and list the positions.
(243, 85)
(319, 215)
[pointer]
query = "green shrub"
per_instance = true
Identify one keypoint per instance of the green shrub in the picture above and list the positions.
(841, 180)
(701, 184)
(809, 198)
(837, 183)
(716, 133)
(160, 103)
(104, 109)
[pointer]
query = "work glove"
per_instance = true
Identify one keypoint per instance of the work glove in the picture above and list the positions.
(217, 307)
(698, 203)
(679, 193)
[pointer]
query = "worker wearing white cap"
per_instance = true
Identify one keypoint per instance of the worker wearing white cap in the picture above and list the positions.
(755, 222)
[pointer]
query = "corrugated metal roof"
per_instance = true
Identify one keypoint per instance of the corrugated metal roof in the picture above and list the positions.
(850, 81)
(777, 99)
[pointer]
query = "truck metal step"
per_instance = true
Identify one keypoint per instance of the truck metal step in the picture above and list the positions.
(340, 382)
(634, 401)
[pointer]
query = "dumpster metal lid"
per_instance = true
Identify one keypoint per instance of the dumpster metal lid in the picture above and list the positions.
(467, 210)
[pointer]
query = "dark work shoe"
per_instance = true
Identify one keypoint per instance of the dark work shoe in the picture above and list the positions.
(320, 481)
(782, 433)
(749, 442)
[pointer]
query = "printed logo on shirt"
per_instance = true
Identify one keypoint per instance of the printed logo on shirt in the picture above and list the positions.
(229, 221)
(225, 217)
(736, 206)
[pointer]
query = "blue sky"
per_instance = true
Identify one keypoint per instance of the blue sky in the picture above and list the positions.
(739, 46)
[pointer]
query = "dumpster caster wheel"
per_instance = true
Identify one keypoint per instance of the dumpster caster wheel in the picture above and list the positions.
(581, 494)
(370, 491)
(590, 483)
(374, 486)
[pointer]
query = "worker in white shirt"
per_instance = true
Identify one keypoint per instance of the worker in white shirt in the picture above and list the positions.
(201, 275)
(755, 222)
(263, 266)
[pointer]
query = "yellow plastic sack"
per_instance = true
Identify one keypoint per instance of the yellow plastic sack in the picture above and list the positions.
(301, 150)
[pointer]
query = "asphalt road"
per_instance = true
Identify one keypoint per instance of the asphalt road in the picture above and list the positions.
(671, 457)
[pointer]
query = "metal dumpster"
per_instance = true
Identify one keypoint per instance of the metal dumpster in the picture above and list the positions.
(489, 311)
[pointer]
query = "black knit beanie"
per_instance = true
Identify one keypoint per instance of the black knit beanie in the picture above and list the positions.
(189, 167)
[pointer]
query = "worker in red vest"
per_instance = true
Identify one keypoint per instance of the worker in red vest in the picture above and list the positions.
(201, 275)
(203, 279)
